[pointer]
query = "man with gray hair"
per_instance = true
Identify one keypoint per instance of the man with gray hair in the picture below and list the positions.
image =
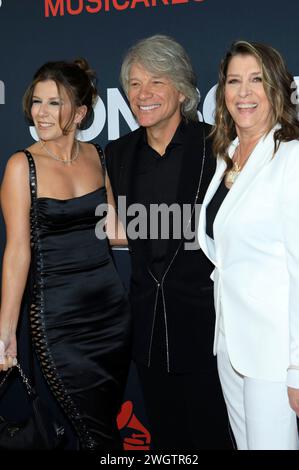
(168, 161)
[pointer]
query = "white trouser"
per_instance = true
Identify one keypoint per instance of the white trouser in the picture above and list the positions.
(259, 411)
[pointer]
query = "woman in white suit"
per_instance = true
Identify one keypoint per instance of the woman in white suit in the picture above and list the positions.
(249, 228)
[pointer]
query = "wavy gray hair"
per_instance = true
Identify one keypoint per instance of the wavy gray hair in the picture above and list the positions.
(162, 55)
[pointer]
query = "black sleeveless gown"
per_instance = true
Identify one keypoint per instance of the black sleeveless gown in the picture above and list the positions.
(79, 315)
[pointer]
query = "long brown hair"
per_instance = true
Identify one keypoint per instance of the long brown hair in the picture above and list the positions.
(278, 84)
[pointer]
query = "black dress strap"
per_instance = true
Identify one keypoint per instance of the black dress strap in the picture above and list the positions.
(102, 157)
(32, 175)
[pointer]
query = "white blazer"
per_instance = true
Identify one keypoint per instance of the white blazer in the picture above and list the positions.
(256, 256)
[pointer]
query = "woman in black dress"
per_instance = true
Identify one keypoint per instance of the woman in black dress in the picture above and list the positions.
(79, 315)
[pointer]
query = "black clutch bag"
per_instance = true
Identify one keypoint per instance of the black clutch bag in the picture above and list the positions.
(39, 432)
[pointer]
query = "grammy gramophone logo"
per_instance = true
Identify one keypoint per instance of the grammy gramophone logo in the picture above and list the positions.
(135, 435)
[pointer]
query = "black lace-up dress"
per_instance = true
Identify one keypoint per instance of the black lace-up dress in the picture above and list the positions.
(79, 314)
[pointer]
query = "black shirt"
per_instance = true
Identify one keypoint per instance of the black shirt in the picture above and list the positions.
(214, 206)
(157, 183)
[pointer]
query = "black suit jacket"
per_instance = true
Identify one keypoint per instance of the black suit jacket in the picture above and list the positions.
(187, 287)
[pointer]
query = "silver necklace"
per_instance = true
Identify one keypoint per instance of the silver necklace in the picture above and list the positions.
(69, 160)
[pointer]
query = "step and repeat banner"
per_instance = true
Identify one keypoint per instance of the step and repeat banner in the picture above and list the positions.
(35, 31)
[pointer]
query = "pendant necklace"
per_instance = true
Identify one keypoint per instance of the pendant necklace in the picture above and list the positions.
(234, 172)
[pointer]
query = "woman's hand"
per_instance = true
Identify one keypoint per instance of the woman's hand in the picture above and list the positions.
(8, 352)
(293, 394)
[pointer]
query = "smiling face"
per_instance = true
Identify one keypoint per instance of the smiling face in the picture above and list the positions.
(154, 100)
(245, 96)
(51, 110)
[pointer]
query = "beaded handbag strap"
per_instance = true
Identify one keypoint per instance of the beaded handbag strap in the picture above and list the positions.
(6, 377)
(25, 380)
